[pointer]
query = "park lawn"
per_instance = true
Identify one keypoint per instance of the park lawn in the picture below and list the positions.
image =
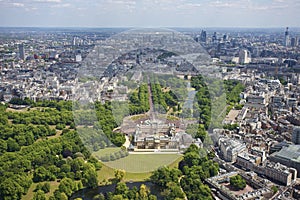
(141, 163)
(106, 151)
(53, 186)
(106, 172)
(175, 163)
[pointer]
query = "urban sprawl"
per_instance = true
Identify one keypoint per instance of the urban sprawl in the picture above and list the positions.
(262, 143)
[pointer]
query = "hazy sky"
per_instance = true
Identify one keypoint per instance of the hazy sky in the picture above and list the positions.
(150, 13)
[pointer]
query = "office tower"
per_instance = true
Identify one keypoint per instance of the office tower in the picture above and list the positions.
(21, 51)
(244, 57)
(74, 42)
(214, 37)
(296, 135)
(225, 37)
(203, 36)
(293, 42)
(296, 41)
(286, 37)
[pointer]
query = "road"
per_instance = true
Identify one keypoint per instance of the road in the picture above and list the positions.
(127, 142)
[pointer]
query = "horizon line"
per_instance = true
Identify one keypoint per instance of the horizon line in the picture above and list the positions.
(127, 27)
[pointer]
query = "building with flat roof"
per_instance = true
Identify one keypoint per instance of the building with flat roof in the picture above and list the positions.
(21, 51)
(247, 161)
(278, 146)
(274, 171)
(280, 173)
(230, 148)
(257, 191)
(296, 135)
(244, 57)
(289, 156)
(258, 152)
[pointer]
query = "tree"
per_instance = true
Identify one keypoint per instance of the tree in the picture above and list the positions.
(12, 145)
(63, 196)
(152, 197)
(237, 182)
(10, 189)
(99, 197)
(89, 178)
(274, 188)
(39, 195)
(133, 193)
(41, 174)
(38, 187)
(144, 192)
(122, 189)
(164, 175)
(76, 164)
(3, 146)
(117, 197)
(67, 186)
(119, 175)
(60, 195)
(46, 187)
(192, 158)
(173, 191)
(65, 168)
(79, 185)
(194, 188)
(201, 133)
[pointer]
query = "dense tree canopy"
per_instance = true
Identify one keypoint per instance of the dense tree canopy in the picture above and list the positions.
(196, 167)
(27, 155)
(237, 182)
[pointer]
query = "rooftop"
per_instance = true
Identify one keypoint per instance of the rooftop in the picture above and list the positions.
(291, 152)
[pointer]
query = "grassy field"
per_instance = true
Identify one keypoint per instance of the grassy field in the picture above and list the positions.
(107, 172)
(140, 163)
(106, 151)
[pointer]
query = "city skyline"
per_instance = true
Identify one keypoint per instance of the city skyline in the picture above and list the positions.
(146, 13)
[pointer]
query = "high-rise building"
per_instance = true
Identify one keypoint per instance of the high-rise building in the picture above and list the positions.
(214, 37)
(296, 135)
(286, 37)
(225, 37)
(74, 41)
(21, 51)
(244, 56)
(203, 36)
(294, 42)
